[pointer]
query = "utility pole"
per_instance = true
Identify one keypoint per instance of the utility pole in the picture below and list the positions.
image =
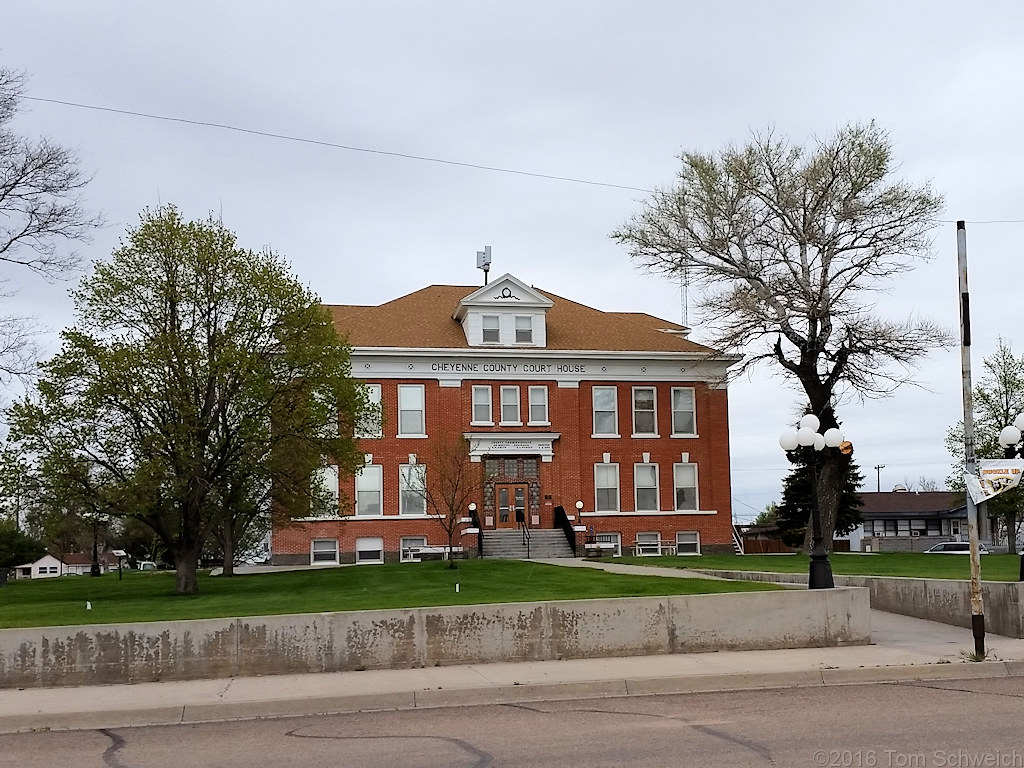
(878, 477)
(970, 464)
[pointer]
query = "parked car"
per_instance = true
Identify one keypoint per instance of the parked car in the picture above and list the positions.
(955, 548)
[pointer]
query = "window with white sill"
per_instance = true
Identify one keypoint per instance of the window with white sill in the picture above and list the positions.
(645, 487)
(411, 416)
(606, 487)
(369, 485)
(645, 420)
(412, 489)
(605, 411)
(684, 419)
(510, 406)
(482, 406)
(538, 405)
(685, 491)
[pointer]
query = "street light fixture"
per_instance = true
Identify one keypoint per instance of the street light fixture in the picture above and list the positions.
(807, 436)
(1010, 441)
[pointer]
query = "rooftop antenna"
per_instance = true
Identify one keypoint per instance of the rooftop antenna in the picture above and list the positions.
(483, 261)
(684, 293)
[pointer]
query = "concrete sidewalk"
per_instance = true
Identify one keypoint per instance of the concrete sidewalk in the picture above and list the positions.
(903, 649)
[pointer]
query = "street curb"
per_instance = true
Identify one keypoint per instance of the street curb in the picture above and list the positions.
(191, 714)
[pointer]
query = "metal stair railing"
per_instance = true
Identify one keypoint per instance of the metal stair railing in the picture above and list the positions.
(562, 521)
(737, 542)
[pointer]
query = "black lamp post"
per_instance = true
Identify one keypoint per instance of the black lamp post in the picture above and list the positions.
(1013, 448)
(807, 436)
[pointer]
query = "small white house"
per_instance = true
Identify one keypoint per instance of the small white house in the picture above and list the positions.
(71, 564)
(46, 567)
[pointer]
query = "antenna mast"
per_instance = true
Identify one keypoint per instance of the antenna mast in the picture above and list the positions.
(684, 294)
(483, 261)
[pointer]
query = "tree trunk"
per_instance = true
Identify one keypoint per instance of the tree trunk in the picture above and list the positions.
(228, 544)
(830, 486)
(186, 563)
(451, 555)
(1010, 520)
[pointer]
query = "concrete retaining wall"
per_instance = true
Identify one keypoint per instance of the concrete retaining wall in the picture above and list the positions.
(944, 600)
(331, 642)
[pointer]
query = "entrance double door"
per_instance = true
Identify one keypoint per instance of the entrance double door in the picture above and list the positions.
(511, 504)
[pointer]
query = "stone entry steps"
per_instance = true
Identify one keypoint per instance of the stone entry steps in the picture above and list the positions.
(508, 544)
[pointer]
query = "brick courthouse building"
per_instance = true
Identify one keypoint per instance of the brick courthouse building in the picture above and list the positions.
(561, 403)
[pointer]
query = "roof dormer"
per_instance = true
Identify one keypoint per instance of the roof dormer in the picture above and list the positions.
(505, 313)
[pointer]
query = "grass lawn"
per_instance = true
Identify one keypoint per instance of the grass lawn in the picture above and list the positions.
(993, 567)
(150, 596)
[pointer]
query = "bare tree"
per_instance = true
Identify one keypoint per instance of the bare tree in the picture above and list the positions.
(452, 482)
(790, 245)
(40, 213)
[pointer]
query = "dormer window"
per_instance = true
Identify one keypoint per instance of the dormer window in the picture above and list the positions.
(491, 330)
(506, 313)
(524, 330)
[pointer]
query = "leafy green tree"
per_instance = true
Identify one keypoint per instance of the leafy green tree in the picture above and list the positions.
(790, 245)
(797, 499)
(193, 363)
(767, 516)
(998, 398)
(16, 547)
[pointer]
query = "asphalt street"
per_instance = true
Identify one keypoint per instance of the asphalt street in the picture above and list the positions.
(911, 723)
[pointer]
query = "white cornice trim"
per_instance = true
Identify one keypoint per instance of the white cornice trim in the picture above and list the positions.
(586, 354)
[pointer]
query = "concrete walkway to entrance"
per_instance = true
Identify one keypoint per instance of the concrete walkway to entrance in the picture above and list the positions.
(902, 649)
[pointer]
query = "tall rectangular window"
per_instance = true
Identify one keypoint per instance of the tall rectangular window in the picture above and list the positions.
(491, 329)
(411, 420)
(371, 425)
(510, 405)
(412, 488)
(327, 485)
(645, 486)
(482, 405)
(524, 329)
(538, 405)
(606, 420)
(684, 421)
(606, 487)
(685, 481)
(369, 483)
(644, 411)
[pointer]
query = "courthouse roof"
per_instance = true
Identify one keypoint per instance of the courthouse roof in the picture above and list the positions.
(423, 319)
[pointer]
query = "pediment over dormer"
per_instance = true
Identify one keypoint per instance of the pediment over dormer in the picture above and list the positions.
(504, 313)
(508, 292)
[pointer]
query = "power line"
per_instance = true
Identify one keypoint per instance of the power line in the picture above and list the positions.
(333, 145)
(388, 153)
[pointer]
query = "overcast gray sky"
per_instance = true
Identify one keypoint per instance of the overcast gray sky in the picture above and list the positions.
(599, 91)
